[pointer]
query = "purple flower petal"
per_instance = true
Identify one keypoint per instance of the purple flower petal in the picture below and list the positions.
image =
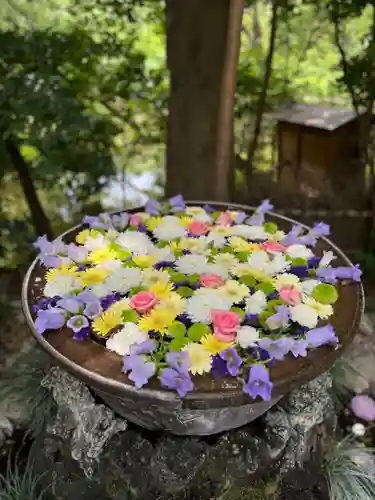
(259, 383)
(233, 361)
(50, 319)
(179, 361)
(178, 203)
(277, 349)
(219, 367)
(280, 319)
(93, 309)
(321, 336)
(173, 379)
(363, 407)
(299, 348)
(70, 304)
(140, 369)
(152, 207)
(143, 348)
(82, 334)
(321, 229)
(76, 323)
(120, 221)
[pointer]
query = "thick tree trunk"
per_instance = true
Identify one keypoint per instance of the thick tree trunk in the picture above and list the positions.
(261, 105)
(203, 39)
(38, 216)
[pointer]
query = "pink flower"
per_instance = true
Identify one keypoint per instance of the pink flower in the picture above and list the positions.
(363, 407)
(135, 220)
(226, 324)
(197, 228)
(273, 246)
(224, 219)
(211, 280)
(143, 301)
(291, 295)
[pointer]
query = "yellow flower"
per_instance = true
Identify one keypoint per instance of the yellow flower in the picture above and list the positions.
(200, 358)
(93, 276)
(222, 230)
(194, 245)
(234, 290)
(101, 255)
(323, 310)
(241, 245)
(153, 223)
(111, 318)
(159, 320)
(152, 277)
(64, 269)
(284, 280)
(185, 221)
(144, 260)
(119, 307)
(246, 270)
(175, 246)
(174, 303)
(194, 211)
(161, 290)
(83, 235)
(213, 345)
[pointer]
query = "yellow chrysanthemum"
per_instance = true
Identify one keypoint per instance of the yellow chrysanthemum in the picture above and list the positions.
(194, 245)
(241, 245)
(185, 221)
(175, 246)
(222, 230)
(287, 279)
(119, 307)
(83, 235)
(324, 311)
(153, 223)
(173, 303)
(234, 290)
(159, 320)
(194, 211)
(151, 277)
(93, 276)
(102, 255)
(200, 358)
(213, 345)
(64, 269)
(106, 322)
(144, 261)
(246, 270)
(161, 290)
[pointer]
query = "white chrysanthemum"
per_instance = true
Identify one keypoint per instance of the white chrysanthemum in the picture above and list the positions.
(192, 264)
(256, 303)
(135, 242)
(247, 336)
(277, 236)
(204, 300)
(259, 260)
(161, 254)
(198, 213)
(299, 252)
(152, 276)
(219, 269)
(234, 291)
(121, 280)
(241, 269)
(250, 232)
(286, 280)
(111, 264)
(217, 239)
(168, 231)
(173, 302)
(60, 285)
(129, 335)
(171, 219)
(96, 243)
(194, 245)
(112, 234)
(304, 315)
(324, 311)
(226, 260)
(308, 286)
(200, 359)
(327, 258)
(277, 265)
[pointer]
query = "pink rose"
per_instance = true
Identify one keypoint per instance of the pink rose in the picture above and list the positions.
(211, 280)
(226, 324)
(197, 228)
(225, 219)
(143, 301)
(273, 246)
(135, 220)
(291, 295)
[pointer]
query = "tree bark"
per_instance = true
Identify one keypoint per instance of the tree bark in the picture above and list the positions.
(203, 40)
(262, 101)
(40, 220)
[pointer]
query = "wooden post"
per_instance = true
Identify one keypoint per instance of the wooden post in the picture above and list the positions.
(203, 40)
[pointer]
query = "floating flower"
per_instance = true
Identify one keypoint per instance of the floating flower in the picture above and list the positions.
(161, 290)
(135, 220)
(259, 383)
(280, 319)
(60, 285)
(77, 322)
(273, 247)
(169, 232)
(287, 280)
(277, 349)
(321, 336)
(225, 324)
(234, 291)
(140, 369)
(198, 228)
(192, 264)
(290, 295)
(50, 319)
(299, 252)
(224, 219)
(177, 202)
(122, 341)
(211, 280)
(232, 360)
(304, 315)
(200, 359)
(101, 255)
(137, 243)
(200, 305)
(324, 311)
(110, 319)
(179, 361)
(173, 379)
(93, 276)
(144, 261)
(173, 303)
(256, 303)
(247, 336)
(143, 302)
(152, 277)
(159, 320)
(213, 345)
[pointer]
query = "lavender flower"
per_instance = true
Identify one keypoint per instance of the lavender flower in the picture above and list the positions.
(209, 209)
(300, 271)
(82, 334)
(264, 207)
(321, 229)
(162, 264)
(49, 247)
(50, 260)
(140, 369)
(179, 361)
(292, 237)
(332, 274)
(280, 319)
(93, 309)
(240, 217)
(87, 297)
(252, 320)
(110, 299)
(299, 348)
(259, 383)
(232, 359)
(70, 304)
(255, 220)
(76, 323)
(277, 349)
(120, 221)
(180, 381)
(102, 221)
(143, 348)
(321, 336)
(308, 239)
(219, 367)
(327, 274)
(152, 207)
(49, 319)
(177, 202)
(76, 253)
(363, 407)
(184, 318)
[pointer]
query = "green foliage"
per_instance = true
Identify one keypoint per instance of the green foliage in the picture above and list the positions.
(19, 484)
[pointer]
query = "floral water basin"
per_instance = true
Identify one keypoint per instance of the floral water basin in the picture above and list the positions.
(193, 318)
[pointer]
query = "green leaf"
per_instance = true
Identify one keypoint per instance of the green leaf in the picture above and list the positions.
(215, 215)
(270, 227)
(197, 331)
(129, 316)
(266, 288)
(135, 290)
(263, 318)
(178, 343)
(194, 279)
(177, 329)
(185, 291)
(227, 250)
(325, 294)
(272, 304)
(299, 262)
(242, 256)
(178, 277)
(247, 280)
(239, 311)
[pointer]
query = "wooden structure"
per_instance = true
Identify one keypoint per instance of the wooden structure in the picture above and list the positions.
(319, 153)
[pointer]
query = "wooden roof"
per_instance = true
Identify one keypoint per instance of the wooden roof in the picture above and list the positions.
(311, 115)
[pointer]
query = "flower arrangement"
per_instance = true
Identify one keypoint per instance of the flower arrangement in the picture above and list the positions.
(180, 291)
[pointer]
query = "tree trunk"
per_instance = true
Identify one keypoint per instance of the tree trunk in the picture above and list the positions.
(38, 216)
(261, 105)
(203, 40)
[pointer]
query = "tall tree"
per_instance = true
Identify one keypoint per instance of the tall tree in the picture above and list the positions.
(203, 40)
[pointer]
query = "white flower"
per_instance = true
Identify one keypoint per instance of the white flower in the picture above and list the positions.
(299, 252)
(247, 336)
(217, 269)
(324, 311)
(277, 265)
(234, 291)
(286, 280)
(152, 276)
(200, 305)
(327, 258)
(194, 245)
(172, 220)
(200, 359)
(173, 302)
(308, 286)
(96, 243)
(304, 315)
(358, 429)
(60, 285)
(168, 231)
(192, 264)
(277, 236)
(250, 232)
(137, 243)
(121, 280)
(121, 341)
(241, 269)
(217, 239)
(112, 234)
(259, 260)
(198, 213)
(256, 303)
(161, 254)
(226, 260)
(111, 264)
